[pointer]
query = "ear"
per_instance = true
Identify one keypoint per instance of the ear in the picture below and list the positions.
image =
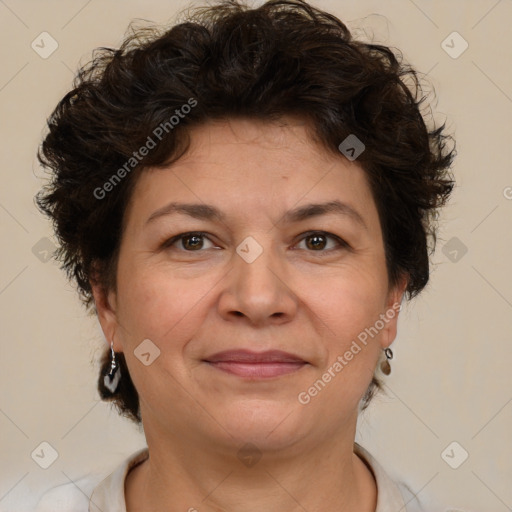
(391, 312)
(105, 302)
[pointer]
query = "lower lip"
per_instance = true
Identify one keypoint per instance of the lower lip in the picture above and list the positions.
(257, 370)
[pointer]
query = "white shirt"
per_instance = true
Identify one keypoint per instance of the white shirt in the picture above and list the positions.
(88, 495)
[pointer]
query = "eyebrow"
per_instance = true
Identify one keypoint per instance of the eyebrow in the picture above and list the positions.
(209, 212)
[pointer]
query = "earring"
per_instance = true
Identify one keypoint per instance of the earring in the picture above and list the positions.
(111, 379)
(385, 366)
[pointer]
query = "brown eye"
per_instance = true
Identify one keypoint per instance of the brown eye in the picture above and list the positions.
(190, 242)
(320, 242)
(316, 242)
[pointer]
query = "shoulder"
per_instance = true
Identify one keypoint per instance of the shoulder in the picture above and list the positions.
(71, 497)
(105, 493)
(391, 494)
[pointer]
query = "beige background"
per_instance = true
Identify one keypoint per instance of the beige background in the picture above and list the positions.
(451, 378)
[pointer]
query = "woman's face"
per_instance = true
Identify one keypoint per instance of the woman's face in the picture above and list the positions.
(266, 273)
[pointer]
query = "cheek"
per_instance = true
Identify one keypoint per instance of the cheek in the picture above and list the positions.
(350, 347)
(166, 310)
(349, 300)
(349, 306)
(157, 305)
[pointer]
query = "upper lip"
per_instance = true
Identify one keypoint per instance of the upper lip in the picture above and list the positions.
(248, 356)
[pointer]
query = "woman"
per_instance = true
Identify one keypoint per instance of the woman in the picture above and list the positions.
(244, 200)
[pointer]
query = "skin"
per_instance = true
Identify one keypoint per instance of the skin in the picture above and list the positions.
(296, 296)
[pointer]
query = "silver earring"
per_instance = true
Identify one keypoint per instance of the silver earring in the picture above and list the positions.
(385, 366)
(111, 379)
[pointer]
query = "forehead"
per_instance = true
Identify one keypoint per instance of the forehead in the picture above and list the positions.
(277, 147)
(252, 165)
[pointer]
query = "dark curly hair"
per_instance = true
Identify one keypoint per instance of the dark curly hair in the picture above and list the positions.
(224, 61)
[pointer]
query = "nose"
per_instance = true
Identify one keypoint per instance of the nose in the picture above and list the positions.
(259, 293)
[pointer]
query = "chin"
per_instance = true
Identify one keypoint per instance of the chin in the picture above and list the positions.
(267, 424)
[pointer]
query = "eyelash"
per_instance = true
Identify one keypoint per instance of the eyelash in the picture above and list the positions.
(341, 243)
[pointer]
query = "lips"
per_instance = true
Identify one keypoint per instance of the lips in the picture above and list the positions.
(256, 365)
(246, 356)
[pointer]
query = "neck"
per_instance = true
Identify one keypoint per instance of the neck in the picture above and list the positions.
(181, 476)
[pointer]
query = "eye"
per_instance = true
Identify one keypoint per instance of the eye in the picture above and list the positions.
(190, 242)
(317, 241)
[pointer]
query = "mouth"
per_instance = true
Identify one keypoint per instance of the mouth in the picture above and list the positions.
(256, 365)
